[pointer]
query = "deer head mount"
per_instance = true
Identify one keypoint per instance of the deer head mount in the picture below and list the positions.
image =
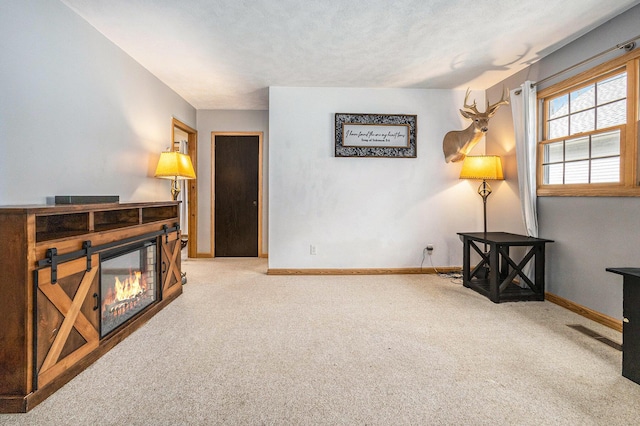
(457, 143)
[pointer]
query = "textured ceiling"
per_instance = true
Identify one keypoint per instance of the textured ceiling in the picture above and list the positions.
(224, 54)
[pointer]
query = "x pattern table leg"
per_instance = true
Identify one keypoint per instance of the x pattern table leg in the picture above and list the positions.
(484, 262)
(517, 269)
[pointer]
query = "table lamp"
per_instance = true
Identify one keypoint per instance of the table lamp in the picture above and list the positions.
(483, 167)
(175, 166)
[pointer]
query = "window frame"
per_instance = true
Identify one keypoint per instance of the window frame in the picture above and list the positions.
(629, 184)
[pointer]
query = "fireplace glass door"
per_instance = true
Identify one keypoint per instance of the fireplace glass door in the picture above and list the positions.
(128, 284)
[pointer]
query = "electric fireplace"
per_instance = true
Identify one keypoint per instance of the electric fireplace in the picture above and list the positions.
(77, 281)
(128, 283)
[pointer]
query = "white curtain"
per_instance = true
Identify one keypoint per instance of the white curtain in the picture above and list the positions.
(523, 107)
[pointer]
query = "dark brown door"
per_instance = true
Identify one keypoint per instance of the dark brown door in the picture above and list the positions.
(236, 196)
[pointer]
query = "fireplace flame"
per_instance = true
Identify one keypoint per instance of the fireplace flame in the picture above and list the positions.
(126, 291)
(129, 288)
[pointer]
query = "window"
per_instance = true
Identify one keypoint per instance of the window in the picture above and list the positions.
(589, 142)
(593, 158)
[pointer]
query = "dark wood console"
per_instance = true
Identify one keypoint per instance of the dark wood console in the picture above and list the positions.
(50, 290)
(630, 322)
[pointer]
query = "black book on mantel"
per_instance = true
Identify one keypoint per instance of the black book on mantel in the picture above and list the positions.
(87, 199)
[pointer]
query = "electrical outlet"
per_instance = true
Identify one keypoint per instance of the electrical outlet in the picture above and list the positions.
(429, 249)
(312, 250)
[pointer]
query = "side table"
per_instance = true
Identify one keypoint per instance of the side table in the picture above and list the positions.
(630, 322)
(494, 275)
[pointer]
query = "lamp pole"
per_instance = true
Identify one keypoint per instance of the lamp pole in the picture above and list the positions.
(484, 190)
(175, 188)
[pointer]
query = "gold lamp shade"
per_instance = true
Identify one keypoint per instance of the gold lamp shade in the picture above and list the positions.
(482, 167)
(175, 166)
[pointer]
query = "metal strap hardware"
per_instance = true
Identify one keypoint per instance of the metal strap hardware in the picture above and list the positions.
(88, 251)
(53, 258)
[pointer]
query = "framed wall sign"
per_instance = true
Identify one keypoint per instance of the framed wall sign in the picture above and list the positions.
(375, 135)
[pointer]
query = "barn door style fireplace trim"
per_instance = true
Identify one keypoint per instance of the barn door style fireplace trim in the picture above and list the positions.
(56, 286)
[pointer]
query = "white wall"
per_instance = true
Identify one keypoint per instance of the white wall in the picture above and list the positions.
(365, 212)
(590, 233)
(77, 115)
(227, 121)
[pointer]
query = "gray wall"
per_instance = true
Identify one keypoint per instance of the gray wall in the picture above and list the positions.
(228, 121)
(590, 233)
(78, 116)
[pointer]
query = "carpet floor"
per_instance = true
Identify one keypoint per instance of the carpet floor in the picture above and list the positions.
(243, 347)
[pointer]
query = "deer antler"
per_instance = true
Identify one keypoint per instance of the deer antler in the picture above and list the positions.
(491, 109)
(471, 107)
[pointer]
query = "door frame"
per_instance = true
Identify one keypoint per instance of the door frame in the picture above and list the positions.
(192, 184)
(213, 185)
